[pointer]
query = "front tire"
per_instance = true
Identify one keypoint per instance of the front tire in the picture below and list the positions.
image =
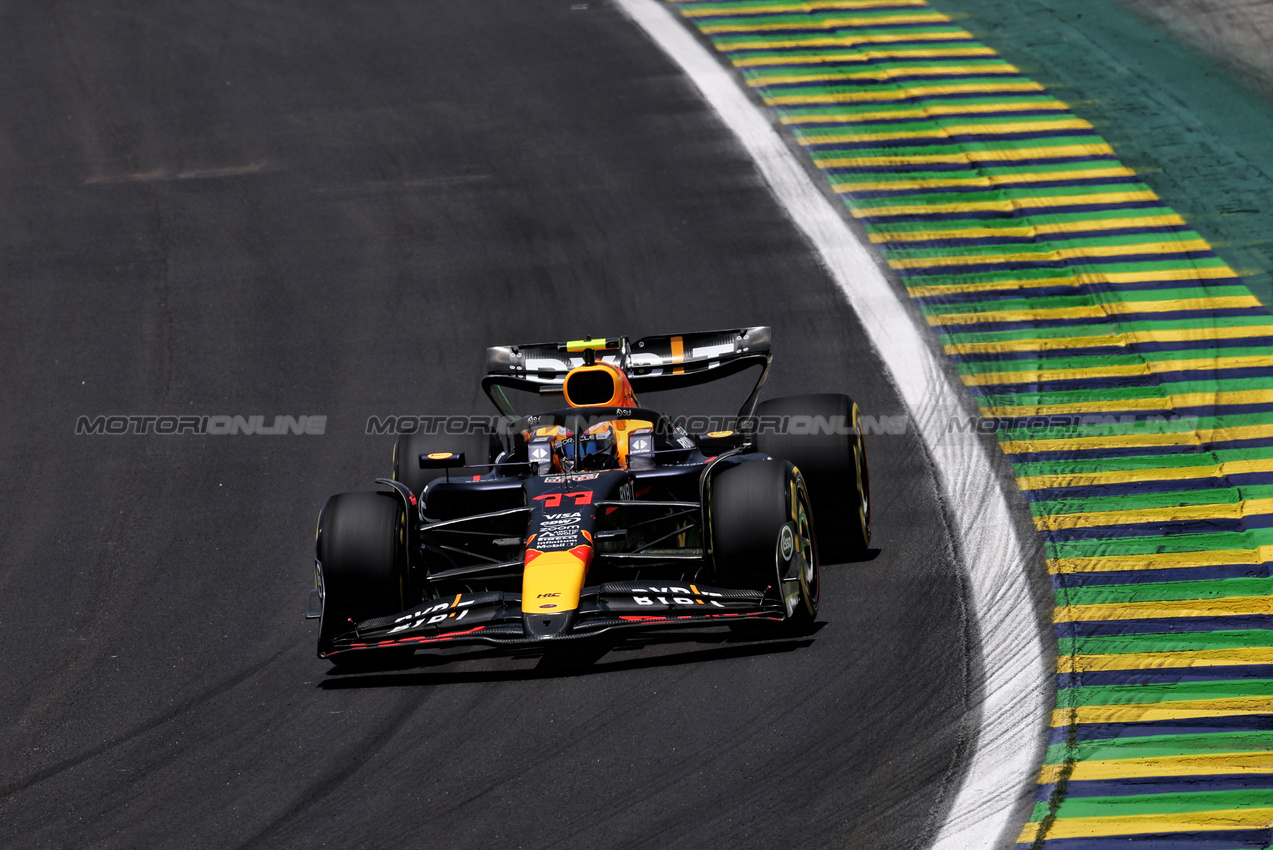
(752, 506)
(362, 552)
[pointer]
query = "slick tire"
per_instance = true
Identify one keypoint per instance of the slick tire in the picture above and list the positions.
(751, 503)
(360, 547)
(478, 448)
(834, 465)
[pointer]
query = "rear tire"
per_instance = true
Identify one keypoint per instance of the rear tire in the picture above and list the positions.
(362, 551)
(834, 465)
(751, 503)
(478, 448)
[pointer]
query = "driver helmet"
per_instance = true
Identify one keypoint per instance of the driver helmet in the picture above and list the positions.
(597, 449)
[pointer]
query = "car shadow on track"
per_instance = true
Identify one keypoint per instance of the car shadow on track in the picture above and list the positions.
(575, 660)
(835, 558)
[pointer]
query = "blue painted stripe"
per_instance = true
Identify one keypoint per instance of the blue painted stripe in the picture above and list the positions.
(1155, 379)
(967, 169)
(794, 121)
(957, 242)
(1002, 185)
(941, 168)
(1133, 488)
(1164, 380)
(1126, 577)
(708, 18)
(1203, 410)
(1156, 785)
(880, 97)
(823, 85)
(723, 43)
(859, 62)
(1037, 324)
(1197, 289)
(1018, 215)
(1164, 676)
(1162, 625)
(1202, 346)
(1184, 726)
(1058, 265)
(1140, 451)
(855, 148)
(936, 26)
(1159, 529)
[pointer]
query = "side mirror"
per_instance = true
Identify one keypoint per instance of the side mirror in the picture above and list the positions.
(719, 441)
(441, 460)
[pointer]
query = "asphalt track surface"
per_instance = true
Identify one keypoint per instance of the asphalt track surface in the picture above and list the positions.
(331, 209)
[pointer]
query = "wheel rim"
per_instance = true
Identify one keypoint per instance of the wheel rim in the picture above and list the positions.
(808, 548)
(864, 476)
(865, 484)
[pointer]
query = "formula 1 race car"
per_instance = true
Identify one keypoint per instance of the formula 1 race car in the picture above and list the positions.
(599, 516)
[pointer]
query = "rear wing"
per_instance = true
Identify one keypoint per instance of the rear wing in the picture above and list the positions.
(652, 364)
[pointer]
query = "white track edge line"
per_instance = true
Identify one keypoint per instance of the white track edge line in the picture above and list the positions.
(1015, 683)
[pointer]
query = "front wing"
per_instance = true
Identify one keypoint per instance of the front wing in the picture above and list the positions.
(496, 618)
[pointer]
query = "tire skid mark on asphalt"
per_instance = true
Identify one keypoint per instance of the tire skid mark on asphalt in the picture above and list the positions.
(355, 755)
(194, 701)
(136, 732)
(81, 641)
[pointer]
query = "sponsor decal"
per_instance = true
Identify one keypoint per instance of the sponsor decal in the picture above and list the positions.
(672, 595)
(559, 531)
(436, 613)
(582, 476)
(787, 542)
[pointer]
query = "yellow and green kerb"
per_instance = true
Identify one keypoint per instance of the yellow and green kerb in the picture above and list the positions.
(1130, 375)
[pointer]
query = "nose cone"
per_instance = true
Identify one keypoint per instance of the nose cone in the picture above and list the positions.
(552, 581)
